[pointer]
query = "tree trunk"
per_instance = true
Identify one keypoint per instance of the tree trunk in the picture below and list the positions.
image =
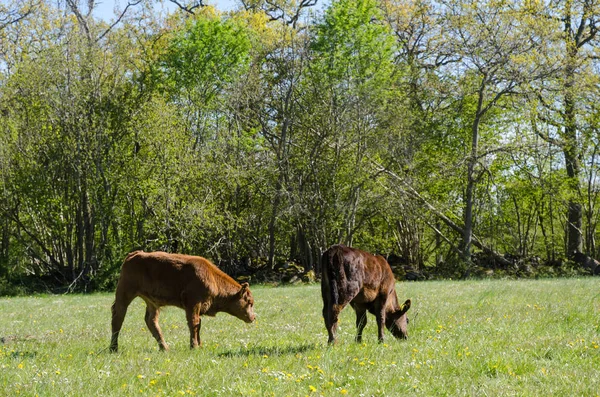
(470, 190)
(273, 220)
(571, 153)
(4, 247)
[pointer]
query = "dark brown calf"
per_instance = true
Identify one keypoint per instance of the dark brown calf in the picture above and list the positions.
(189, 282)
(366, 282)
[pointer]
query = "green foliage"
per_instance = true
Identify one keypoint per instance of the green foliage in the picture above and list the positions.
(204, 56)
(269, 133)
(355, 46)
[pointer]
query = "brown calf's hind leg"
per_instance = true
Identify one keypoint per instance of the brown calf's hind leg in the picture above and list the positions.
(194, 322)
(151, 318)
(119, 309)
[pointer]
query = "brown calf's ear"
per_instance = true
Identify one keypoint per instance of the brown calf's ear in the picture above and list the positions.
(405, 306)
(244, 290)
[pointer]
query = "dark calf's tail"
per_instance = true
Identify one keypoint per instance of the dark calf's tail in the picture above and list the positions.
(333, 271)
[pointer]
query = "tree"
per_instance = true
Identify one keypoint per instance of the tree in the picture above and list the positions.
(499, 58)
(348, 83)
(70, 108)
(575, 34)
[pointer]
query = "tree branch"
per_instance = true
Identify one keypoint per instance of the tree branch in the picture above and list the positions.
(189, 9)
(118, 19)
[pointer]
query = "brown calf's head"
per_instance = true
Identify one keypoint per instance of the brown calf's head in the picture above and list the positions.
(397, 322)
(243, 306)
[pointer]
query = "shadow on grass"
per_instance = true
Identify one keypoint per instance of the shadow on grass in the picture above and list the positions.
(17, 354)
(270, 350)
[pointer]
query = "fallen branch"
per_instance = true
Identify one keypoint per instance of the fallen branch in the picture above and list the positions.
(449, 222)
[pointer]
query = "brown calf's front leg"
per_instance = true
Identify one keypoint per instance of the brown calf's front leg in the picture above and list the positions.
(151, 318)
(194, 322)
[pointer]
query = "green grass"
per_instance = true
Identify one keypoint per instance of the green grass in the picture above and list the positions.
(477, 338)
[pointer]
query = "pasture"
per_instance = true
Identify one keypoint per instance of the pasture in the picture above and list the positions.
(475, 338)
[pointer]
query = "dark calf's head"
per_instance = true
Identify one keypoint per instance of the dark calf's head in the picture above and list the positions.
(243, 306)
(397, 322)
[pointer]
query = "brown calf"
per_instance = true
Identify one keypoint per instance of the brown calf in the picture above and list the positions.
(189, 282)
(366, 282)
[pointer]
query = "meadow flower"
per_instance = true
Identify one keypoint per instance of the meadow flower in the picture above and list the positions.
(344, 391)
(312, 388)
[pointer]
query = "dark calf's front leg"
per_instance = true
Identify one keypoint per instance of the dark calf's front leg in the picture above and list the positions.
(194, 322)
(380, 316)
(361, 322)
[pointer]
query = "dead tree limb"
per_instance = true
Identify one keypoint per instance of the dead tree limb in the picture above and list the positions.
(499, 258)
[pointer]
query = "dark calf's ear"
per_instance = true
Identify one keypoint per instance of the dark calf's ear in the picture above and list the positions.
(405, 306)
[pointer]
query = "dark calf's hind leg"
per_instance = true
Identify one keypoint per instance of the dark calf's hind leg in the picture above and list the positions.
(326, 318)
(331, 321)
(151, 318)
